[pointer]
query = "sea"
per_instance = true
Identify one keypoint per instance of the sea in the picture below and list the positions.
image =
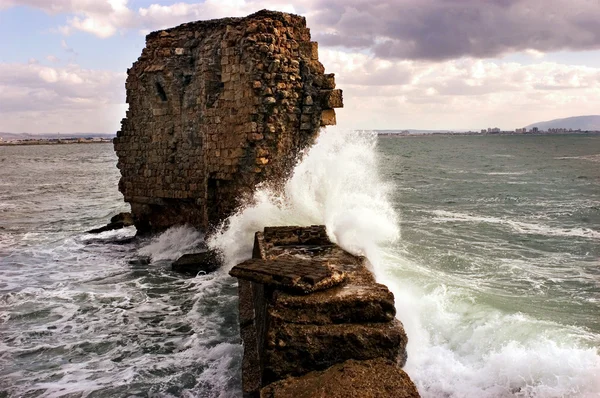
(490, 244)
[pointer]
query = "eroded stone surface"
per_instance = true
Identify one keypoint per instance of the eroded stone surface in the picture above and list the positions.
(349, 303)
(291, 334)
(284, 236)
(292, 274)
(216, 107)
(295, 349)
(377, 378)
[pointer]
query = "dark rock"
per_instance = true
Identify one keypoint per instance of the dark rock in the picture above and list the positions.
(140, 261)
(125, 218)
(111, 241)
(110, 227)
(119, 221)
(377, 378)
(208, 261)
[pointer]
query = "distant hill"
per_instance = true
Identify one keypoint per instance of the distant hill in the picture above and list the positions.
(591, 122)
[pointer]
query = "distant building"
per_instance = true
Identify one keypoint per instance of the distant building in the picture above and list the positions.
(521, 131)
(535, 130)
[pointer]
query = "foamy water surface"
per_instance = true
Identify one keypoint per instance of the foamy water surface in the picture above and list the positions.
(490, 245)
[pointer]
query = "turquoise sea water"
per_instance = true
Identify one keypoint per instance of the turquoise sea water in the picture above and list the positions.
(491, 246)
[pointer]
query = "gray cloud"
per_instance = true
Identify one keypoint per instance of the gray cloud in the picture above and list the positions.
(446, 29)
(391, 29)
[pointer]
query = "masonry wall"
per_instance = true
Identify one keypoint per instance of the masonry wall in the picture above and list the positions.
(216, 107)
(315, 323)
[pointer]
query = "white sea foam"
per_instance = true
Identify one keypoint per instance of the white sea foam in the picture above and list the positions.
(458, 347)
(506, 173)
(518, 226)
(590, 158)
(336, 184)
(461, 348)
(173, 243)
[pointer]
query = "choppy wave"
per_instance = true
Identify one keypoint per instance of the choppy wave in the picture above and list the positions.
(117, 330)
(76, 318)
(517, 226)
(591, 158)
(462, 347)
(506, 173)
(458, 347)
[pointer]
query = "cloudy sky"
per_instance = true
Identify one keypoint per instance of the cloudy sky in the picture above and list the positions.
(420, 64)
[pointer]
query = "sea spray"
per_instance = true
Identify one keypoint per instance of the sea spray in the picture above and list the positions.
(336, 184)
(458, 347)
(174, 243)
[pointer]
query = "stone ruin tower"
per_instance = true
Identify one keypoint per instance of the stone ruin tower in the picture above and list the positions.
(216, 107)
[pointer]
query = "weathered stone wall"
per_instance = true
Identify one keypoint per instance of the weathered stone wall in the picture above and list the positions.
(314, 322)
(216, 107)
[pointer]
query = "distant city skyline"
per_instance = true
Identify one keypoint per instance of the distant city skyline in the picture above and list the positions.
(418, 64)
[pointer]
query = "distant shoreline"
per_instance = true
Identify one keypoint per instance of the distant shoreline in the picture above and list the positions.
(48, 142)
(473, 133)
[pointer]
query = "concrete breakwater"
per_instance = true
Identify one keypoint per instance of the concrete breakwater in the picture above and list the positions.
(314, 322)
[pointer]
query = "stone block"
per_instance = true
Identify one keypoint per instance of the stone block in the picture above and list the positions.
(290, 274)
(328, 117)
(314, 50)
(332, 98)
(159, 111)
(351, 303)
(293, 349)
(293, 235)
(375, 378)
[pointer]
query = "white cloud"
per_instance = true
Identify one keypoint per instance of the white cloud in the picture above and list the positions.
(48, 75)
(74, 99)
(463, 93)
(63, 6)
